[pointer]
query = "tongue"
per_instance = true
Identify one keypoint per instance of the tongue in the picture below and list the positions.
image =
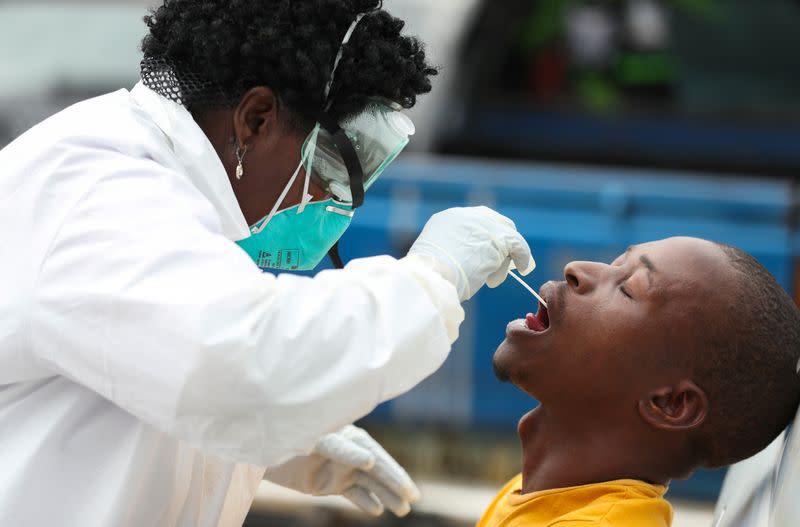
(534, 323)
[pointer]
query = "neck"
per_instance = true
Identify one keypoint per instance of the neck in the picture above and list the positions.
(563, 452)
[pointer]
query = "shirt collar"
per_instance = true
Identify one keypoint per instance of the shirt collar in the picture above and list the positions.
(197, 156)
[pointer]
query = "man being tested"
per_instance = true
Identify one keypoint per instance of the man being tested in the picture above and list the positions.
(680, 354)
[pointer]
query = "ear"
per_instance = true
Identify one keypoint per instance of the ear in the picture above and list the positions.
(256, 116)
(674, 408)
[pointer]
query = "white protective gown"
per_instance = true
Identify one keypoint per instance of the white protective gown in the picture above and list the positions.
(148, 370)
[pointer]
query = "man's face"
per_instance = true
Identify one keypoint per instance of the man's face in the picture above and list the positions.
(612, 332)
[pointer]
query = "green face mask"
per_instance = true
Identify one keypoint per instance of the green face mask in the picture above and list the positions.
(298, 241)
(299, 237)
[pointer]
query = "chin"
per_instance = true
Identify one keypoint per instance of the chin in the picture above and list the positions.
(510, 365)
(506, 367)
(501, 364)
(500, 370)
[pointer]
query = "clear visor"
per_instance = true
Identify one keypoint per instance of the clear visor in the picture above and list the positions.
(378, 135)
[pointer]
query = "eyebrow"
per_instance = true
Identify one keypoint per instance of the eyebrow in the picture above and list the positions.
(648, 263)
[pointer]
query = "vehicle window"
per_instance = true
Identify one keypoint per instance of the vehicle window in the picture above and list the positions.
(698, 57)
(709, 84)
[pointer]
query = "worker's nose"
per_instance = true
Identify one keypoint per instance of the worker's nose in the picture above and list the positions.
(583, 277)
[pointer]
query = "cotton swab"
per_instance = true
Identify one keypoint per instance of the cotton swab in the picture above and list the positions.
(529, 288)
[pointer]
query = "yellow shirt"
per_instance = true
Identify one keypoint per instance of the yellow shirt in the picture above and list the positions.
(621, 503)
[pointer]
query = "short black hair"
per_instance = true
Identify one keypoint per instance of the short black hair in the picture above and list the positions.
(231, 46)
(749, 371)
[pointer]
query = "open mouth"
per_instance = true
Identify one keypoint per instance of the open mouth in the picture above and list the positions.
(538, 322)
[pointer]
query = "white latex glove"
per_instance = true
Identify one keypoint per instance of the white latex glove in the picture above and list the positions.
(350, 463)
(471, 247)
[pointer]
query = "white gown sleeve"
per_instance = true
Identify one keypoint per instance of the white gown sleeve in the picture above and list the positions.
(142, 300)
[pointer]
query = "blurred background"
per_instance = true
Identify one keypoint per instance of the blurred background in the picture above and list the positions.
(594, 124)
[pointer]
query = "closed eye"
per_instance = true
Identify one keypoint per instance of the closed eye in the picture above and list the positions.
(625, 292)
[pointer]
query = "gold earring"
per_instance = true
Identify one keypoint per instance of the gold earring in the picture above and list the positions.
(240, 158)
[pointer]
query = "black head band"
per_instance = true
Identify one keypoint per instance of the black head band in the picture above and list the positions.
(349, 156)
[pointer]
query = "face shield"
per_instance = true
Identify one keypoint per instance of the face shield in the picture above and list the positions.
(345, 159)
(375, 137)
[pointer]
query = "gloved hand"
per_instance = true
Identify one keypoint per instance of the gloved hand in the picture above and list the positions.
(350, 463)
(471, 247)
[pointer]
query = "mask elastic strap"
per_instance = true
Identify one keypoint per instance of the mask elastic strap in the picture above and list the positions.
(338, 58)
(278, 203)
(312, 142)
(309, 162)
(306, 199)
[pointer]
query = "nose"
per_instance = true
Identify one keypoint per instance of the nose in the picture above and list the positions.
(583, 277)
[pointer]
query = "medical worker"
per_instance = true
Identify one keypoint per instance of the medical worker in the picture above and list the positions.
(150, 373)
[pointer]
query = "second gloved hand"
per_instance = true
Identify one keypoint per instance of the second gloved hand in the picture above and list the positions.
(471, 247)
(350, 463)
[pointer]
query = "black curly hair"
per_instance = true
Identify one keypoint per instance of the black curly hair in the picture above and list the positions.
(216, 50)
